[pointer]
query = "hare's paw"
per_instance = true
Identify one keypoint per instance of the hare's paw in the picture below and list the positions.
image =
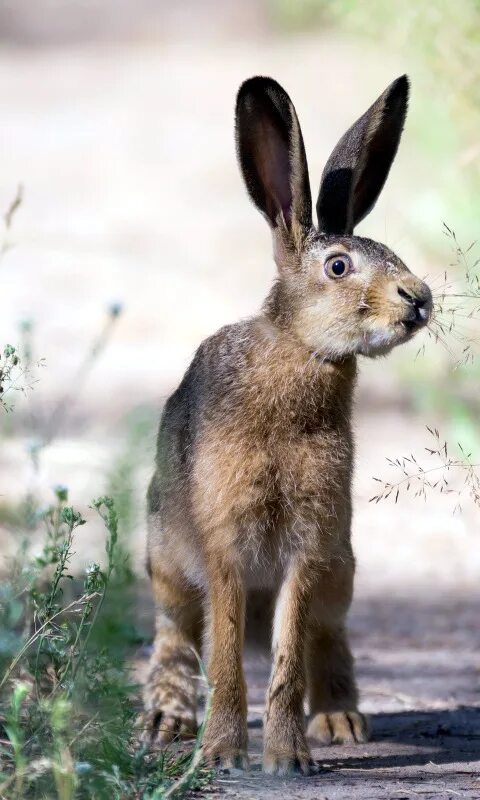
(225, 742)
(294, 763)
(226, 758)
(159, 728)
(286, 751)
(170, 713)
(338, 727)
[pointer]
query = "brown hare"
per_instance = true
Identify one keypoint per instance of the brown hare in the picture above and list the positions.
(252, 486)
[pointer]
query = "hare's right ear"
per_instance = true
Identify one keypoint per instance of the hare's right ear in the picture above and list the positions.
(358, 167)
(272, 155)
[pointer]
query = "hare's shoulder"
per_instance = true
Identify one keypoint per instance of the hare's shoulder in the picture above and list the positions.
(215, 367)
(226, 351)
(206, 386)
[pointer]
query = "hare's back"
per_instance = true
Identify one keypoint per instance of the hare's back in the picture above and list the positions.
(207, 390)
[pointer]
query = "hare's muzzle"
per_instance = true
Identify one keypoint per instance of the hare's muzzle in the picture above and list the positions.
(418, 305)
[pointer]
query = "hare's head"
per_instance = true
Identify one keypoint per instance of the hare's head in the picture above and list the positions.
(341, 294)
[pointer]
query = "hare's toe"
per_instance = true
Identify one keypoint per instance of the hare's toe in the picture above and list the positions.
(288, 764)
(286, 752)
(338, 727)
(227, 759)
(225, 741)
(224, 754)
(285, 749)
(160, 727)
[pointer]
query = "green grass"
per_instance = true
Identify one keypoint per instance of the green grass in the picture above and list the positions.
(68, 704)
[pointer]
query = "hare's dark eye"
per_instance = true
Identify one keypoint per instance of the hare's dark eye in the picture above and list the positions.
(338, 266)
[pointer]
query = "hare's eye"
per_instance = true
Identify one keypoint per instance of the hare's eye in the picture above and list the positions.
(338, 266)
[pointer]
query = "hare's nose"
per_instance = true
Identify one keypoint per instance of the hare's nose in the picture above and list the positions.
(420, 302)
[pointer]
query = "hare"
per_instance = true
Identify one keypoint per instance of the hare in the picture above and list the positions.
(252, 486)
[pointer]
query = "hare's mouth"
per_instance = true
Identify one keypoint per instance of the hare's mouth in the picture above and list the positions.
(418, 319)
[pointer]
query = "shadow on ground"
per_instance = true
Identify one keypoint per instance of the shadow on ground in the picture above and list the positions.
(418, 672)
(411, 754)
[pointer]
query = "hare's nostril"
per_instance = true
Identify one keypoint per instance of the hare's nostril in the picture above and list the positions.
(406, 295)
(411, 299)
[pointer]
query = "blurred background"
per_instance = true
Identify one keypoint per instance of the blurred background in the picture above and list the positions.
(134, 240)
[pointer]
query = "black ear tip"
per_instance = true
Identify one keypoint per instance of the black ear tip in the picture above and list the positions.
(254, 85)
(395, 98)
(257, 87)
(400, 88)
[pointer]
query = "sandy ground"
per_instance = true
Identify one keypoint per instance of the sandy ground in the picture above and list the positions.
(417, 665)
(132, 194)
(418, 673)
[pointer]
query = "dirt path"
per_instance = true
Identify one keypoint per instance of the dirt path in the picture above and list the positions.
(417, 666)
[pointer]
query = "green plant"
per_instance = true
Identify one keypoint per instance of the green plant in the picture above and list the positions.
(15, 733)
(15, 376)
(63, 675)
(68, 704)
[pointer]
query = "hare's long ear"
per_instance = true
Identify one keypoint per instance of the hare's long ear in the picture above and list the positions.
(272, 155)
(358, 167)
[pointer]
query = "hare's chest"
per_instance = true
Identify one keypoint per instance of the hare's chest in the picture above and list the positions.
(300, 501)
(311, 468)
(261, 486)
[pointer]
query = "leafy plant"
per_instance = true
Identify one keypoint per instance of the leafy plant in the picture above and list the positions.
(68, 704)
(62, 678)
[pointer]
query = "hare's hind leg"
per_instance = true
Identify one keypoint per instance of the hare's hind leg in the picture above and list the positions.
(170, 693)
(333, 696)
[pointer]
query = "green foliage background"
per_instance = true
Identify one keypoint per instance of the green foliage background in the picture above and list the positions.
(439, 43)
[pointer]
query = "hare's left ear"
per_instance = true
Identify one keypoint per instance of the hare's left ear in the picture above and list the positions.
(358, 167)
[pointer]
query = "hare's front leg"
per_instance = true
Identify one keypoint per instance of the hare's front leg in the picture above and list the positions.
(225, 740)
(285, 746)
(334, 715)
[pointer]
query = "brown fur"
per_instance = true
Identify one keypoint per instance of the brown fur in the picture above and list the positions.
(253, 484)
